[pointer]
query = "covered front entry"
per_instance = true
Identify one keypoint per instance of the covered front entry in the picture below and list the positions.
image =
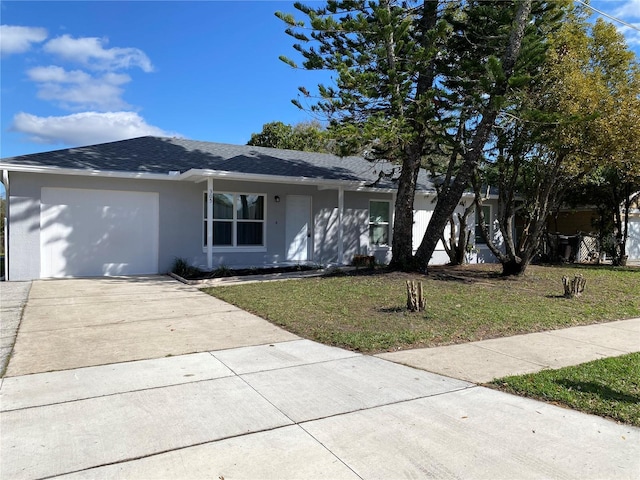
(87, 233)
(298, 228)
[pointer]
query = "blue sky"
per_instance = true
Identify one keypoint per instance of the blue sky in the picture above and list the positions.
(77, 73)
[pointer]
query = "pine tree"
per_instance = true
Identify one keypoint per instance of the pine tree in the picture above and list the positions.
(419, 80)
(384, 55)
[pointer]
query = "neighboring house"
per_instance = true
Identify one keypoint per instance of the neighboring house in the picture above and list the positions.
(134, 206)
(585, 220)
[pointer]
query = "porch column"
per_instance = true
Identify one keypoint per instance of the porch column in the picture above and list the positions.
(209, 223)
(392, 218)
(340, 225)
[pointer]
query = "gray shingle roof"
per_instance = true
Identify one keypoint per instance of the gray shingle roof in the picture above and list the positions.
(162, 155)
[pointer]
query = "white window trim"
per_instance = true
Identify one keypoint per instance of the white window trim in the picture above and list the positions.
(236, 248)
(374, 246)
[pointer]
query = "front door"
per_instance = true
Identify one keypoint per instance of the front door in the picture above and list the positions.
(298, 228)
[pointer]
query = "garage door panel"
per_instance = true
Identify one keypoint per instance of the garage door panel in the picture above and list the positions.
(98, 232)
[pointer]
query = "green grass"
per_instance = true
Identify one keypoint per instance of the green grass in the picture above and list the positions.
(368, 313)
(608, 387)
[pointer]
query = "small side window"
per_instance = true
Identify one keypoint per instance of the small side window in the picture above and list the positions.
(378, 223)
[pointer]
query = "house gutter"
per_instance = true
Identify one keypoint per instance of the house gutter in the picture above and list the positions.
(86, 172)
(198, 174)
(5, 239)
(322, 184)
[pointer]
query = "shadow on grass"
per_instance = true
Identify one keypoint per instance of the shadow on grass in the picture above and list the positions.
(465, 274)
(599, 390)
(394, 310)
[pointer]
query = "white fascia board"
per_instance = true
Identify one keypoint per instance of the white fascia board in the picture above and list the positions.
(86, 173)
(358, 188)
(201, 175)
(365, 188)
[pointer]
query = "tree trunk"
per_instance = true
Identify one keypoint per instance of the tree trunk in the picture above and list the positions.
(415, 296)
(451, 194)
(575, 287)
(402, 253)
(403, 224)
(457, 244)
(513, 267)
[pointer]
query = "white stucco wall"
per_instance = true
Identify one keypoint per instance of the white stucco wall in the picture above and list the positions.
(181, 221)
(633, 237)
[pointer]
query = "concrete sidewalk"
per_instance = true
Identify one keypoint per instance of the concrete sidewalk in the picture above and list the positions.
(295, 409)
(13, 298)
(264, 404)
(483, 361)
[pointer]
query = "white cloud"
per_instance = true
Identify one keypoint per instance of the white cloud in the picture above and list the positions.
(16, 39)
(91, 52)
(76, 89)
(53, 73)
(84, 128)
(629, 10)
(632, 36)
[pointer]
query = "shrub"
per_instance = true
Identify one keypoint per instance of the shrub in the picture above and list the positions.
(184, 269)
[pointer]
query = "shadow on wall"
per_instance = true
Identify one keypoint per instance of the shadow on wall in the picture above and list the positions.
(98, 233)
(484, 255)
(355, 235)
(325, 236)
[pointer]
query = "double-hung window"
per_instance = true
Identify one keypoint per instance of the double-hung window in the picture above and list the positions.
(238, 220)
(486, 211)
(378, 223)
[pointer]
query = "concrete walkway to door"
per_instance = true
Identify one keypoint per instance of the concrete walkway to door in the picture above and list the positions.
(120, 395)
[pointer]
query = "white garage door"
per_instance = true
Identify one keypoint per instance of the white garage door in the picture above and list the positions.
(85, 233)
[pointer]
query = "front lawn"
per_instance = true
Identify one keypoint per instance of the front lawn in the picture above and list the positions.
(609, 387)
(367, 312)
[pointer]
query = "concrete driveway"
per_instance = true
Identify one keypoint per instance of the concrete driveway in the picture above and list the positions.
(257, 402)
(83, 322)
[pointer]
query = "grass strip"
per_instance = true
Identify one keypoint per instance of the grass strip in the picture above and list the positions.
(367, 312)
(608, 387)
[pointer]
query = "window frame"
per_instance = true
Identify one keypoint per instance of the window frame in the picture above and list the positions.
(387, 223)
(234, 221)
(478, 239)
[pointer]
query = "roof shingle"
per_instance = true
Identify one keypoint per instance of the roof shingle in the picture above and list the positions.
(163, 155)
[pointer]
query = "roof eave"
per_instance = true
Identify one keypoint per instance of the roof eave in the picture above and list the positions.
(321, 183)
(202, 174)
(85, 172)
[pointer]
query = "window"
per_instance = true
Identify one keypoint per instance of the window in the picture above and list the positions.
(238, 220)
(378, 223)
(486, 210)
